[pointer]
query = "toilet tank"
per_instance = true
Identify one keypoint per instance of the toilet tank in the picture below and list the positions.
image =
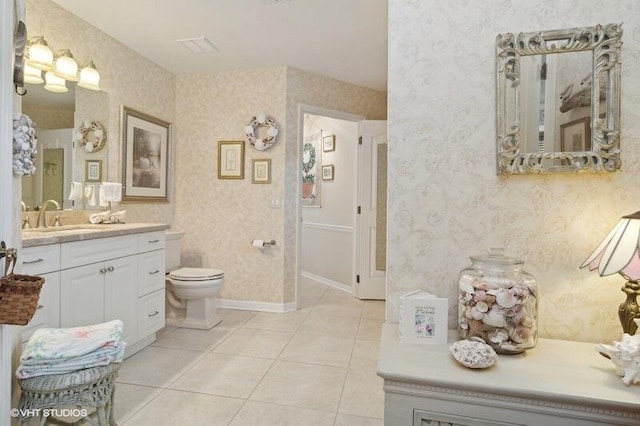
(172, 249)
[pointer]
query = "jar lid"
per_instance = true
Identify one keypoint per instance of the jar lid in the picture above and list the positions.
(497, 257)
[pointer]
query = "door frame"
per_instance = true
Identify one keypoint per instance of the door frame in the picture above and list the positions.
(340, 115)
(9, 184)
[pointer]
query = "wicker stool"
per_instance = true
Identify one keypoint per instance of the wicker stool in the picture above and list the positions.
(92, 387)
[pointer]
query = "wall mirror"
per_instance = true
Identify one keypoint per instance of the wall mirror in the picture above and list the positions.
(57, 116)
(558, 100)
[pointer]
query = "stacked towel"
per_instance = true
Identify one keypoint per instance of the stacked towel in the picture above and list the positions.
(102, 217)
(110, 191)
(64, 350)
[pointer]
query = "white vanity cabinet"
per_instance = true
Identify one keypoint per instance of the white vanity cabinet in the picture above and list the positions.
(93, 280)
(45, 262)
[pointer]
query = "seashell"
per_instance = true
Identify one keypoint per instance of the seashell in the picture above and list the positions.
(494, 318)
(498, 336)
(248, 130)
(625, 355)
(482, 307)
(476, 314)
(480, 296)
(506, 299)
(259, 145)
(465, 284)
(89, 148)
(473, 354)
(273, 132)
(261, 117)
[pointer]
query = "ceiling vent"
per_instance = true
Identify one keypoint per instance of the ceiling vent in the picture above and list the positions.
(198, 45)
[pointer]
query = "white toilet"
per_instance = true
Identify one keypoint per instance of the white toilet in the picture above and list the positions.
(190, 292)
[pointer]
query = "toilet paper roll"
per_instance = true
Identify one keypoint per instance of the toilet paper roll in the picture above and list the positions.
(259, 244)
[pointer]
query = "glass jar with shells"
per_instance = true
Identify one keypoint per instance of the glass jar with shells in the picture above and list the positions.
(498, 303)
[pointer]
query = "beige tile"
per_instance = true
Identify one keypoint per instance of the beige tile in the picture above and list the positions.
(339, 303)
(129, 399)
(323, 324)
(234, 318)
(349, 420)
(164, 331)
(310, 292)
(365, 354)
(288, 321)
(369, 329)
(373, 309)
(259, 343)
(224, 375)
(155, 366)
(186, 408)
(255, 413)
(194, 340)
(301, 385)
(325, 350)
(362, 394)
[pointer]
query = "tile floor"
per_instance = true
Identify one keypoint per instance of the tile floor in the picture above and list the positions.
(314, 366)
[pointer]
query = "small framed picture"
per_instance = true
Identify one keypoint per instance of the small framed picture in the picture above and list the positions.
(327, 172)
(261, 171)
(575, 136)
(329, 143)
(231, 160)
(93, 170)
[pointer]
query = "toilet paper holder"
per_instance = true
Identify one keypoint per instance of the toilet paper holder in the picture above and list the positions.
(264, 243)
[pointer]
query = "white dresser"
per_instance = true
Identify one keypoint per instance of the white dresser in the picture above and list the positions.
(556, 383)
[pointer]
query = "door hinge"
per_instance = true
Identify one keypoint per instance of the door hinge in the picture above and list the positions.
(359, 140)
(359, 210)
(358, 279)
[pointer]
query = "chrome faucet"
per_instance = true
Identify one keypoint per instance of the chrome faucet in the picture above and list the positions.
(42, 212)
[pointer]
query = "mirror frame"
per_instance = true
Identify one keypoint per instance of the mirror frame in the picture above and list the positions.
(605, 42)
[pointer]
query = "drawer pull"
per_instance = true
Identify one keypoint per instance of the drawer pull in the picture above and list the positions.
(154, 272)
(154, 241)
(39, 307)
(153, 314)
(103, 270)
(31, 262)
(110, 269)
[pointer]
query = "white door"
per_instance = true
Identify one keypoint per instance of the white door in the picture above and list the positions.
(372, 206)
(121, 295)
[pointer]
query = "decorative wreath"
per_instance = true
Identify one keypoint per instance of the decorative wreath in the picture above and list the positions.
(24, 145)
(91, 136)
(261, 120)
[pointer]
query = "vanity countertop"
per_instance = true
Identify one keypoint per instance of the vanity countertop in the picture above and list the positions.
(555, 372)
(65, 234)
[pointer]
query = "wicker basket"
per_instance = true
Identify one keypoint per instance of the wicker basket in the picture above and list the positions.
(19, 296)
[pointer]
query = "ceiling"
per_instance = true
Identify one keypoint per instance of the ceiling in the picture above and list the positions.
(342, 39)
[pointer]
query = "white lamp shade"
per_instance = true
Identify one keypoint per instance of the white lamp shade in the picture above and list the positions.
(89, 77)
(39, 55)
(55, 83)
(618, 252)
(65, 66)
(32, 75)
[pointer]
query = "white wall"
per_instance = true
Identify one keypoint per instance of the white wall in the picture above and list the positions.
(445, 200)
(328, 231)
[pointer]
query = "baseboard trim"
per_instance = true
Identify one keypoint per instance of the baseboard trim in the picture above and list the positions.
(327, 281)
(249, 305)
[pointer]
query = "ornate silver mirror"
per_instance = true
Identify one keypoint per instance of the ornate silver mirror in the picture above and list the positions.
(558, 100)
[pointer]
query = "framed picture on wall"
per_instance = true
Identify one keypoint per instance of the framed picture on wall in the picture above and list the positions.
(575, 136)
(145, 154)
(231, 160)
(261, 171)
(93, 170)
(327, 172)
(329, 143)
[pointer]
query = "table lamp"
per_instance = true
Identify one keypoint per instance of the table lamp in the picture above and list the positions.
(618, 252)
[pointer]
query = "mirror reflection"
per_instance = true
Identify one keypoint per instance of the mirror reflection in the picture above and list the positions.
(558, 100)
(60, 161)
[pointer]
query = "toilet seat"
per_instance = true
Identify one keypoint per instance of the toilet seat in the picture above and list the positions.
(196, 274)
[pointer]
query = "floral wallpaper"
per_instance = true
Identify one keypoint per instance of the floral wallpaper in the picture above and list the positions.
(446, 201)
(220, 217)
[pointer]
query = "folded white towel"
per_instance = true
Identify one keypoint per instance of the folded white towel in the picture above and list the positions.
(112, 191)
(117, 216)
(100, 217)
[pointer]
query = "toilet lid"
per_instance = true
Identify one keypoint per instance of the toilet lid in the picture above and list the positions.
(196, 274)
